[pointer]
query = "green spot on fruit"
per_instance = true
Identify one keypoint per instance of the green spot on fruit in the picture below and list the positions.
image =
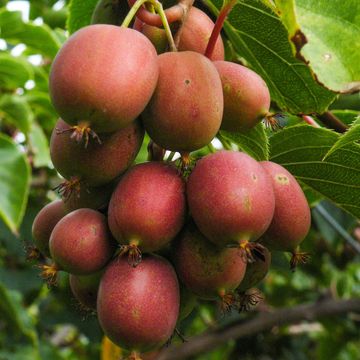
(227, 88)
(282, 179)
(247, 203)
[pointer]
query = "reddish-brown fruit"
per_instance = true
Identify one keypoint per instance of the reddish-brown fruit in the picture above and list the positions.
(138, 307)
(97, 164)
(230, 198)
(246, 97)
(186, 109)
(85, 288)
(44, 224)
(196, 33)
(81, 243)
(148, 207)
(292, 218)
(255, 272)
(207, 270)
(105, 86)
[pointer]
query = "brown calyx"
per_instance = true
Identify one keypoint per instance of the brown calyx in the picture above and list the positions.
(228, 302)
(251, 251)
(32, 253)
(80, 132)
(298, 257)
(134, 356)
(249, 298)
(49, 273)
(133, 252)
(272, 122)
(68, 187)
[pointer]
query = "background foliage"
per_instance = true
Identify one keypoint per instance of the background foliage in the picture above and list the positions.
(36, 323)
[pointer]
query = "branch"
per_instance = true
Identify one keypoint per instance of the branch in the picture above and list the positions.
(186, 6)
(332, 122)
(260, 323)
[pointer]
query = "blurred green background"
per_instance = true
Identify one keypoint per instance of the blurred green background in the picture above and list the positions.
(41, 323)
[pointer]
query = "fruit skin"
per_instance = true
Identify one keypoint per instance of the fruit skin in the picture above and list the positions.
(105, 86)
(97, 164)
(44, 224)
(148, 206)
(138, 307)
(186, 109)
(292, 217)
(196, 33)
(109, 12)
(85, 288)
(246, 97)
(255, 272)
(230, 197)
(81, 243)
(205, 269)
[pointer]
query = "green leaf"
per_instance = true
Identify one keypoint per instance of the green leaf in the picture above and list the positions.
(253, 142)
(40, 38)
(346, 116)
(15, 315)
(39, 146)
(80, 13)
(301, 150)
(14, 72)
(258, 35)
(352, 135)
(16, 111)
(332, 32)
(14, 183)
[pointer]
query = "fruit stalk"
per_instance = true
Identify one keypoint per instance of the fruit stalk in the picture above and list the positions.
(159, 9)
(224, 12)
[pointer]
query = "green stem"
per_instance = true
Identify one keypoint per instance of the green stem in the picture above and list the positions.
(211, 148)
(224, 142)
(224, 12)
(171, 156)
(160, 10)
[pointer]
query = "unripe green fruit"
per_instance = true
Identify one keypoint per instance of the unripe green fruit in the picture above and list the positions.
(97, 164)
(207, 270)
(85, 288)
(148, 206)
(138, 307)
(103, 77)
(196, 33)
(110, 12)
(230, 197)
(256, 271)
(81, 243)
(292, 217)
(246, 97)
(44, 224)
(185, 111)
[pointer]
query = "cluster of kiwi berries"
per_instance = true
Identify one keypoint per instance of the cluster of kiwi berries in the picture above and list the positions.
(142, 242)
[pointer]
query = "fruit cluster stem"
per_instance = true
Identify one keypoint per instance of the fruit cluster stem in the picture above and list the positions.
(160, 10)
(224, 12)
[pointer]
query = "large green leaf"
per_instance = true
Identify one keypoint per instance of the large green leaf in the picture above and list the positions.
(301, 149)
(14, 72)
(40, 38)
(253, 142)
(258, 35)
(14, 183)
(351, 136)
(15, 109)
(16, 318)
(80, 13)
(39, 146)
(332, 33)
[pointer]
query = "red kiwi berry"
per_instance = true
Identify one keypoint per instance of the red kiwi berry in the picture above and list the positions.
(138, 307)
(186, 109)
(231, 200)
(147, 209)
(205, 269)
(292, 217)
(255, 272)
(196, 32)
(246, 97)
(97, 164)
(103, 88)
(85, 288)
(44, 224)
(81, 243)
